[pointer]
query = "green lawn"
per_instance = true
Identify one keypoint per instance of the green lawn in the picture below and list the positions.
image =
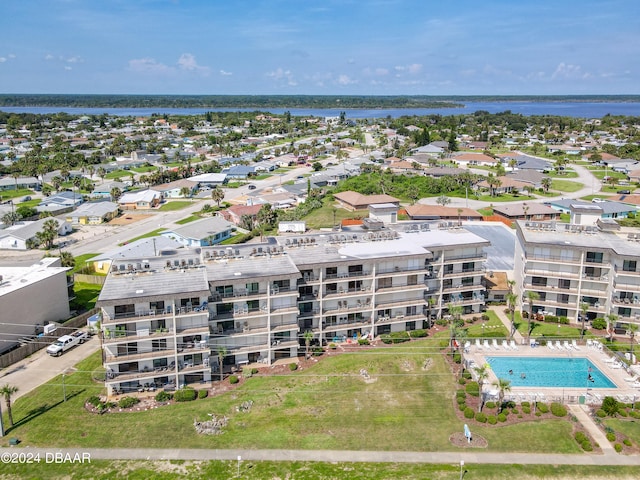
(189, 219)
(259, 470)
(81, 261)
(565, 186)
(153, 233)
(144, 169)
(323, 217)
(591, 197)
(492, 327)
(86, 295)
(30, 203)
(542, 329)
(122, 174)
(174, 205)
(562, 174)
(629, 427)
(327, 406)
(9, 194)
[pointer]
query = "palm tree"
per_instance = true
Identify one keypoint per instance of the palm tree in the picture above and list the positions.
(512, 301)
(6, 391)
(101, 173)
(217, 195)
(531, 297)
(185, 192)
(632, 328)
(67, 260)
(546, 184)
(308, 336)
(482, 373)
(48, 233)
(455, 311)
(503, 386)
(116, 193)
(222, 352)
(443, 200)
(612, 318)
(584, 308)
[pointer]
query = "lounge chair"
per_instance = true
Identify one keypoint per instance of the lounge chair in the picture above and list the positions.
(575, 345)
(486, 345)
(495, 344)
(566, 345)
(513, 345)
(478, 344)
(550, 345)
(505, 345)
(558, 345)
(589, 343)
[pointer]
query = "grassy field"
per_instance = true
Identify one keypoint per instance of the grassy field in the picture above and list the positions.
(492, 327)
(86, 295)
(118, 174)
(323, 217)
(81, 261)
(328, 406)
(189, 219)
(174, 205)
(630, 428)
(152, 233)
(9, 194)
(565, 186)
(168, 470)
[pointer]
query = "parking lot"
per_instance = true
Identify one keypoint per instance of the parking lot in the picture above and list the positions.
(503, 242)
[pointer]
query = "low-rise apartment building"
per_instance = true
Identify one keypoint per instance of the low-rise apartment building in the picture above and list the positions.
(575, 268)
(165, 317)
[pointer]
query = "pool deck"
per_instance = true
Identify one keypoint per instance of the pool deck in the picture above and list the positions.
(627, 391)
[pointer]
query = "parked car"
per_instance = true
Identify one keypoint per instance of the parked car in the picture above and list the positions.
(623, 192)
(598, 200)
(252, 186)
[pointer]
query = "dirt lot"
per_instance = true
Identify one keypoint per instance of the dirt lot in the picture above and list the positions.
(129, 218)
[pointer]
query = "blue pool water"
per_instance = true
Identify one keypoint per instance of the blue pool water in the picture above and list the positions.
(549, 372)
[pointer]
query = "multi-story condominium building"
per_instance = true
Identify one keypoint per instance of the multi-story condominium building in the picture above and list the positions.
(165, 317)
(574, 268)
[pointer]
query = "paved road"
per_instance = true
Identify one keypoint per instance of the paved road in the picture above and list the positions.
(40, 367)
(470, 457)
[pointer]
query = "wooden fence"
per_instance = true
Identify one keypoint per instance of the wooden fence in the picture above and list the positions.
(44, 341)
(93, 279)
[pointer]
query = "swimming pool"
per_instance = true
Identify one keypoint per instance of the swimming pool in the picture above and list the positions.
(549, 372)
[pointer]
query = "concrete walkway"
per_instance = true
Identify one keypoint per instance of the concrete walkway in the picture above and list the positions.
(499, 311)
(470, 456)
(596, 433)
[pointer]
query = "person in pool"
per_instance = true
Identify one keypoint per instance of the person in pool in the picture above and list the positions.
(523, 376)
(510, 372)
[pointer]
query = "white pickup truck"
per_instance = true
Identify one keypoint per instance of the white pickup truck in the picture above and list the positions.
(67, 342)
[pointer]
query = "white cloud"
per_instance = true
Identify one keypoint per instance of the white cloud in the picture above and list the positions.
(188, 62)
(225, 73)
(568, 70)
(74, 59)
(281, 74)
(48, 56)
(3, 59)
(414, 68)
(345, 80)
(148, 65)
(11, 55)
(67, 67)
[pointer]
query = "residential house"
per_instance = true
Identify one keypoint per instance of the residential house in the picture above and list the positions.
(20, 235)
(526, 211)
(93, 213)
(437, 212)
(608, 209)
(474, 159)
(633, 199)
(507, 185)
(140, 200)
(235, 213)
(9, 183)
(239, 172)
(207, 231)
(104, 190)
(175, 189)
(355, 201)
(497, 285)
(209, 179)
(64, 199)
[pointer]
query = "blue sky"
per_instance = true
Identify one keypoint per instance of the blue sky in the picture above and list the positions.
(341, 47)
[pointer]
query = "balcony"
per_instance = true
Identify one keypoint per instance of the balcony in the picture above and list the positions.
(634, 287)
(464, 272)
(342, 292)
(137, 356)
(403, 288)
(281, 343)
(154, 313)
(344, 306)
(332, 276)
(550, 273)
(283, 291)
(127, 336)
(309, 314)
(552, 258)
(408, 302)
(462, 287)
(217, 297)
(596, 278)
(344, 325)
(626, 301)
(622, 271)
(399, 318)
(119, 377)
(469, 256)
(308, 280)
(189, 367)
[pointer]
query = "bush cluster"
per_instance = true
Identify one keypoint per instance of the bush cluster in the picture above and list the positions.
(94, 400)
(472, 389)
(203, 393)
(395, 337)
(526, 409)
(363, 341)
(490, 404)
(543, 408)
(128, 402)
(558, 410)
(599, 323)
(502, 417)
(185, 395)
(583, 441)
(233, 379)
(468, 412)
(163, 396)
(618, 447)
(481, 417)
(420, 333)
(611, 436)
(601, 413)
(292, 366)
(492, 419)
(627, 442)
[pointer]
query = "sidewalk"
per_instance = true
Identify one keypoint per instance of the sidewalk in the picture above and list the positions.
(596, 433)
(499, 311)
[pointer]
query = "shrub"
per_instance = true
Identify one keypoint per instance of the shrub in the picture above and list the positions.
(462, 406)
(472, 389)
(292, 366)
(163, 396)
(601, 413)
(128, 402)
(558, 410)
(462, 381)
(457, 358)
(317, 351)
(543, 408)
(586, 446)
(420, 333)
(627, 442)
(466, 375)
(94, 400)
(461, 400)
(502, 418)
(622, 413)
(610, 405)
(526, 409)
(634, 413)
(233, 379)
(538, 413)
(599, 323)
(461, 394)
(492, 419)
(481, 417)
(468, 412)
(611, 436)
(618, 447)
(580, 437)
(395, 337)
(363, 341)
(525, 404)
(333, 346)
(203, 393)
(254, 371)
(185, 395)
(490, 404)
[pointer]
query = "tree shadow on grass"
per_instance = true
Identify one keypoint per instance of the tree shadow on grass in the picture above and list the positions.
(36, 412)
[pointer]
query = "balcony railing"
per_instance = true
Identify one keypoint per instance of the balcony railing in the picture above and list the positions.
(622, 271)
(115, 336)
(345, 324)
(237, 293)
(467, 256)
(466, 271)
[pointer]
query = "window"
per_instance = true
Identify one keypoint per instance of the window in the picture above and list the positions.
(252, 288)
(564, 284)
(331, 288)
(467, 281)
(355, 269)
(225, 290)
(331, 272)
(594, 257)
(629, 266)
(448, 268)
(468, 266)
(355, 286)
(384, 283)
(412, 280)
(563, 298)
(411, 326)
(124, 310)
(410, 311)
(159, 345)
(539, 281)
